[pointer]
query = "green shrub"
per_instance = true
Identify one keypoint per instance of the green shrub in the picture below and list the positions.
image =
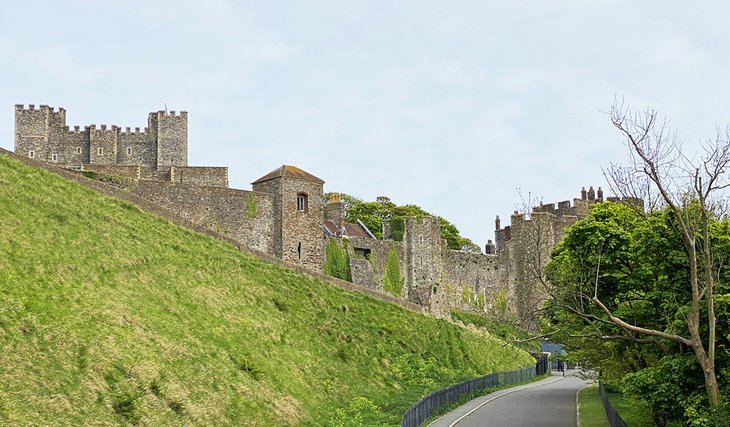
(397, 229)
(337, 261)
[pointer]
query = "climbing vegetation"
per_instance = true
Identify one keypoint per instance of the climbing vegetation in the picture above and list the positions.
(392, 278)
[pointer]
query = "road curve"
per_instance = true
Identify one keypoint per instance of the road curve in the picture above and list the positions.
(546, 403)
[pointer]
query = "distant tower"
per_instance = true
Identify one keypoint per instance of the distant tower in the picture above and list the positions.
(39, 133)
(170, 130)
(298, 202)
(335, 210)
(42, 134)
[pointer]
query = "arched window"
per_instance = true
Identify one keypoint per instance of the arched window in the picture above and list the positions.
(302, 202)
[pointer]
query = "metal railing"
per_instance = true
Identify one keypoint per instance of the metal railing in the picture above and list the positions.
(542, 366)
(427, 406)
(614, 420)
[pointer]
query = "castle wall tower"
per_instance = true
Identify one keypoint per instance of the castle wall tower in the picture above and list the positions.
(170, 131)
(41, 133)
(424, 250)
(298, 201)
(37, 132)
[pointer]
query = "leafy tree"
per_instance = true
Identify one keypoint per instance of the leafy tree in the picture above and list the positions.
(693, 194)
(374, 214)
(618, 264)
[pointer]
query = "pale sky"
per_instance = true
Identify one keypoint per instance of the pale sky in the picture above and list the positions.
(452, 106)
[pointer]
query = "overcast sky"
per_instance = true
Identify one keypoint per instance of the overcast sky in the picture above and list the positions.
(452, 106)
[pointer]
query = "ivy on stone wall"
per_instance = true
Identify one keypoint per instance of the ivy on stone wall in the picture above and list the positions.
(467, 295)
(392, 278)
(337, 261)
(250, 206)
(480, 301)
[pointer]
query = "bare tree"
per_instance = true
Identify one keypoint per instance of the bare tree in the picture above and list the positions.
(535, 236)
(694, 192)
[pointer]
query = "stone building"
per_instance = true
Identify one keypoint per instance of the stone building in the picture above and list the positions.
(298, 202)
(285, 214)
(42, 134)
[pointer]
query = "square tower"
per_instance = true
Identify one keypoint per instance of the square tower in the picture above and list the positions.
(298, 202)
(170, 132)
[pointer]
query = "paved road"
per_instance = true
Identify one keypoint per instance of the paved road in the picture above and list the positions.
(549, 402)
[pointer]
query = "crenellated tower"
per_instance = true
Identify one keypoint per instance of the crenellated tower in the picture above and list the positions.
(42, 134)
(170, 132)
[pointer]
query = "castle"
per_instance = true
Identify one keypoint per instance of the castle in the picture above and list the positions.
(285, 215)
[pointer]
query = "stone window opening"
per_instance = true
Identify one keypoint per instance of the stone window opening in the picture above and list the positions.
(54, 157)
(302, 203)
(100, 151)
(299, 251)
(31, 154)
(78, 150)
(363, 252)
(129, 151)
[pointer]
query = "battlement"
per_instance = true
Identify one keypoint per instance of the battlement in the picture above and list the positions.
(42, 107)
(41, 132)
(561, 215)
(171, 113)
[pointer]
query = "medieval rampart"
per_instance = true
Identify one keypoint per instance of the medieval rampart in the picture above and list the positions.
(283, 215)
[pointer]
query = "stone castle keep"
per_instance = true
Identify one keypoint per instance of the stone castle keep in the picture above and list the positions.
(285, 214)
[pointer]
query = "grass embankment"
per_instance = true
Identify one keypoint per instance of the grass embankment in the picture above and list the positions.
(590, 408)
(592, 413)
(109, 315)
(503, 330)
(632, 410)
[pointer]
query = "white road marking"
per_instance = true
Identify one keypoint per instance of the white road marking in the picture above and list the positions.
(503, 394)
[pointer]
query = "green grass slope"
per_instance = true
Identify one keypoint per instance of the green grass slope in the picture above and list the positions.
(112, 316)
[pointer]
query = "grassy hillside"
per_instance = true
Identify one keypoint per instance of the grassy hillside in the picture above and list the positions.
(111, 316)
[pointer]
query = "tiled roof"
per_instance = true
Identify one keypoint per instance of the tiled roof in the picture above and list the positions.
(331, 228)
(355, 230)
(287, 171)
(350, 230)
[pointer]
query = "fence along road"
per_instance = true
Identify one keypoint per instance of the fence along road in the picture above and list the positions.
(549, 402)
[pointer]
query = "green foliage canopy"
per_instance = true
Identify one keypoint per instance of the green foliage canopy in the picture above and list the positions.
(374, 214)
(635, 265)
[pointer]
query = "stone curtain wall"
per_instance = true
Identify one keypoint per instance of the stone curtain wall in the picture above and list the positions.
(223, 210)
(273, 189)
(132, 172)
(143, 148)
(200, 175)
(471, 280)
(369, 272)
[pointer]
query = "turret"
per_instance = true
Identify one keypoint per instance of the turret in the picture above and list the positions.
(170, 131)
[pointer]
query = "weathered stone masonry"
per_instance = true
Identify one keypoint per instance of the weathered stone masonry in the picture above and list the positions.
(283, 215)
